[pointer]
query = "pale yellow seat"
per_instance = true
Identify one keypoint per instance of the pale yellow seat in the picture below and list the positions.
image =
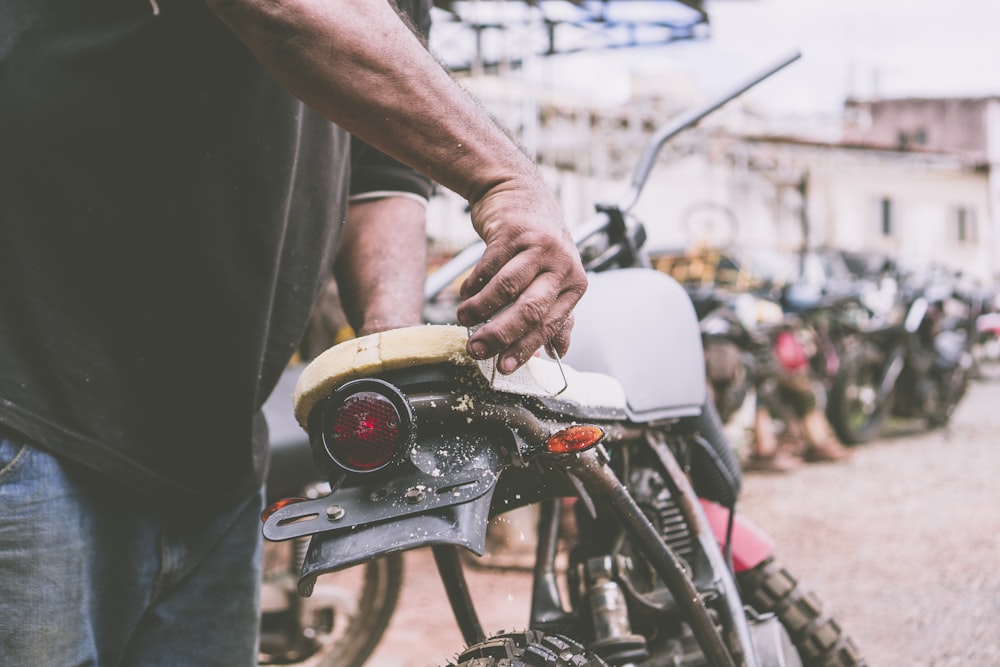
(435, 344)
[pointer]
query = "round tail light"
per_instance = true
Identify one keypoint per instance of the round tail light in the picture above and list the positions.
(364, 426)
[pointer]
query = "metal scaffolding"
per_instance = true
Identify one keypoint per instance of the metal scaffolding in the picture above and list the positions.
(480, 35)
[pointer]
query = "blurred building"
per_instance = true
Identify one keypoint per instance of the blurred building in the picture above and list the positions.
(918, 178)
(915, 178)
(959, 126)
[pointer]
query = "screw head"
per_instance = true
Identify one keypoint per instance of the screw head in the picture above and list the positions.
(415, 494)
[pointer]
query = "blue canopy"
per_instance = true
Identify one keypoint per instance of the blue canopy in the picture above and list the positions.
(485, 33)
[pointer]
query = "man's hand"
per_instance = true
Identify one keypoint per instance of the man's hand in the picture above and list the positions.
(529, 278)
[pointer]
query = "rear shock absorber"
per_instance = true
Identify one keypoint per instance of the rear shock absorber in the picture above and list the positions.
(614, 640)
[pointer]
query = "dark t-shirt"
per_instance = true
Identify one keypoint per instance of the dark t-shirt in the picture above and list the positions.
(167, 214)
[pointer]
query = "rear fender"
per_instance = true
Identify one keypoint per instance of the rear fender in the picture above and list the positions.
(751, 546)
(462, 525)
(441, 494)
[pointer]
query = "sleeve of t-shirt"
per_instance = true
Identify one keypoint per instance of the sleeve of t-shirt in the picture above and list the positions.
(373, 173)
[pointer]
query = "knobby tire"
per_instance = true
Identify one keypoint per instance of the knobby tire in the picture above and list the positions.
(528, 648)
(818, 637)
(860, 369)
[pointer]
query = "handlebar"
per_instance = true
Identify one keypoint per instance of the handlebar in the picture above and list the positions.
(609, 215)
(648, 158)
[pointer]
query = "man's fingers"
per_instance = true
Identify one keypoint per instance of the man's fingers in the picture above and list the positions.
(528, 280)
(499, 291)
(529, 324)
(538, 252)
(518, 321)
(558, 346)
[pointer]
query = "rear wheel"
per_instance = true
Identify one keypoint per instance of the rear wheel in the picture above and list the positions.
(856, 411)
(341, 624)
(769, 588)
(362, 629)
(953, 385)
(529, 648)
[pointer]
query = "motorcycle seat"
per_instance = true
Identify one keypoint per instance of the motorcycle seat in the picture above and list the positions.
(444, 343)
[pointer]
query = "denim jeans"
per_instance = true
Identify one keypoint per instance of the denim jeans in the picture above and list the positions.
(91, 576)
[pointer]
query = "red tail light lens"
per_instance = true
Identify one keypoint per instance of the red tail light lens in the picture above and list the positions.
(363, 433)
(365, 427)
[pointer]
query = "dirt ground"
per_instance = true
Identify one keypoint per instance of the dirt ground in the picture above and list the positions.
(901, 542)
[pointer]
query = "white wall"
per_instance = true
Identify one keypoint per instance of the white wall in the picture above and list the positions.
(724, 191)
(925, 197)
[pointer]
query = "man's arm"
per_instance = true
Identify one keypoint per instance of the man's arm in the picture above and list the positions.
(356, 62)
(382, 284)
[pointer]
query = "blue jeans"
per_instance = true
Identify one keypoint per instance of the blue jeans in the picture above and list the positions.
(91, 576)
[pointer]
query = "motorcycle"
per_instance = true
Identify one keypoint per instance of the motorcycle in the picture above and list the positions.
(752, 345)
(912, 361)
(728, 360)
(423, 446)
(988, 337)
(737, 336)
(750, 314)
(343, 622)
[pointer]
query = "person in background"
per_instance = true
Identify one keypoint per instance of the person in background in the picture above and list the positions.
(786, 391)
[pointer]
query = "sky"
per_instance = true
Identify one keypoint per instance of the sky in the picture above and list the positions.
(925, 48)
(892, 48)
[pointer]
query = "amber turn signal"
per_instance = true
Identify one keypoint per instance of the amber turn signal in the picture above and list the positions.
(277, 505)
(574, 439)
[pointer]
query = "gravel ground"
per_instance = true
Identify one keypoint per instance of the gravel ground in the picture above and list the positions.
(901, 542)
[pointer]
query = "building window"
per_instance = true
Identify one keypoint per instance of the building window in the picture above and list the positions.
(909, 138)
(965, 227)
(886, 217)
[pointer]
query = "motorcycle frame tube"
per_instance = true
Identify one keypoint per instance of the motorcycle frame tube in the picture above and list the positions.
(893, 369)
(452, 575)
(734, 617)
(592, 469)
(547, 611)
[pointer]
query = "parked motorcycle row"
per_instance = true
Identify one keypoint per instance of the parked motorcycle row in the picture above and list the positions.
(870, 339)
